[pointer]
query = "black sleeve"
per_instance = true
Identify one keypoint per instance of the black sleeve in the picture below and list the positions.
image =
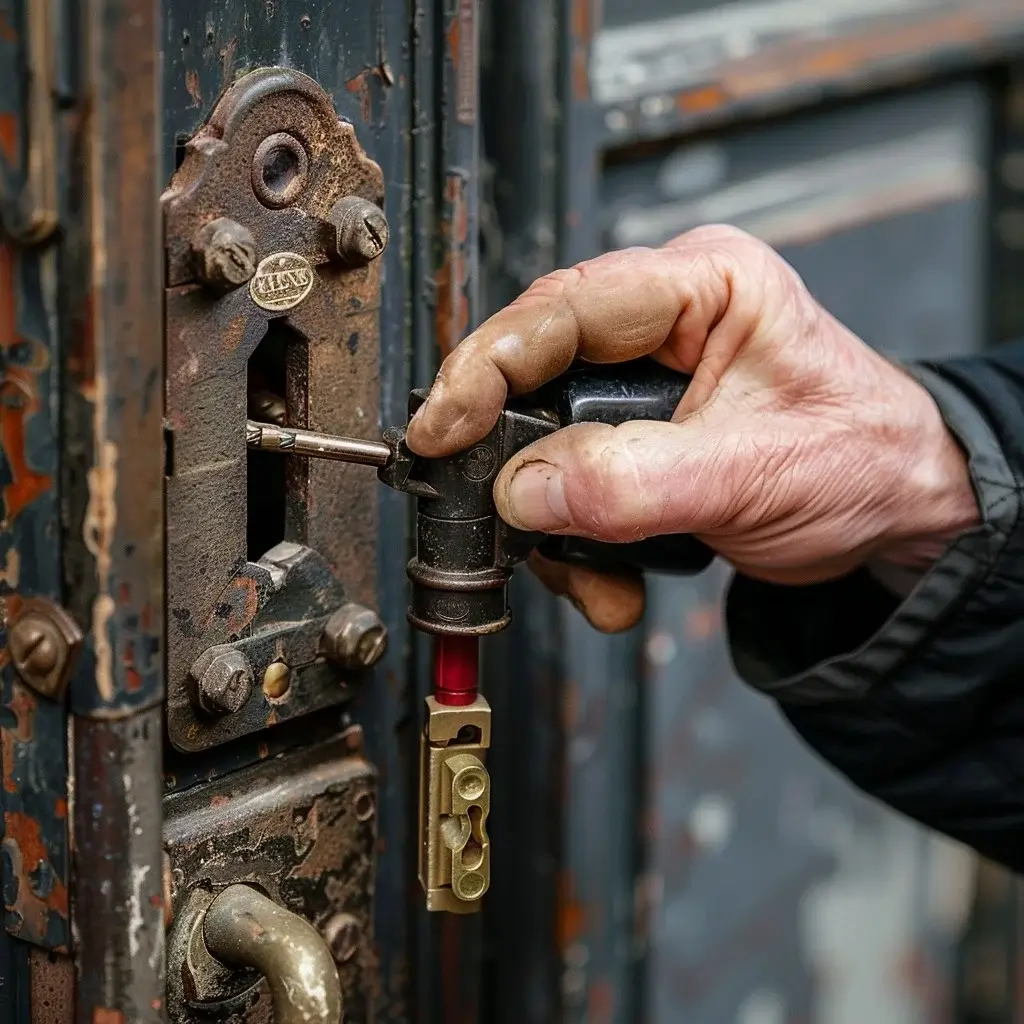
(920, 702)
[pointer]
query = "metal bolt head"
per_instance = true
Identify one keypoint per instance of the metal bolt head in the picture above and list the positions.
(354, 637)
(42, 643)
(359, 231)
(35, 646)
(225, 254)
(342, 934)
(224, 680)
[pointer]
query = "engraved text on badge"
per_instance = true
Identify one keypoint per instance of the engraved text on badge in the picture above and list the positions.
(281, 281)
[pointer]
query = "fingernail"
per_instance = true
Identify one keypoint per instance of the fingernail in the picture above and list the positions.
(537, 498)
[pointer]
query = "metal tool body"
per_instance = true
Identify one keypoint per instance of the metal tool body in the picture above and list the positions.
(465, 554)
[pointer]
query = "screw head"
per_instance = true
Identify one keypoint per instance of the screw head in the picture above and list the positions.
(354, 637)
(359, 231)
(35, 646)
(224, 680)
(42, 643)
(342, 934)
(225, 254)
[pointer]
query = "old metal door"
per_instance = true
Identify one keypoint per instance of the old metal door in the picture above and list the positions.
(214, 211)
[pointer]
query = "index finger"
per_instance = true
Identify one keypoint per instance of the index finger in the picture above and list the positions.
(619, 306)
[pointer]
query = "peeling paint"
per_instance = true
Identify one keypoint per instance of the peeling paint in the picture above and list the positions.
(98, 533)
(193, 88)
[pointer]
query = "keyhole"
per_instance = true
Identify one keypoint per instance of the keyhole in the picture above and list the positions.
(280, 169)
(473, 851)
(272, 375)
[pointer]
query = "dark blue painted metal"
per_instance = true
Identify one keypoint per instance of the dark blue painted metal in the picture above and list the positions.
(32, 727)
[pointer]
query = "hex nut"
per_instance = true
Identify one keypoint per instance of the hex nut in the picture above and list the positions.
(225, 254)
(342, 935)
(223, 680)
(354, 637)
(359, 231)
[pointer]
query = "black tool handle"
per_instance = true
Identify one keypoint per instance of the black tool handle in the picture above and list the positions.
(618, 393)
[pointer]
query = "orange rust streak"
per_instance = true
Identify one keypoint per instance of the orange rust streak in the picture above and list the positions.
(452, 318)
(7, 33)
(790, 65)
(23, 834)
(697, 101)
(453, 39)
(9, 139)
(582, 30)
(26, 484)
(101, 1015)
(572, 916)
(360, 86)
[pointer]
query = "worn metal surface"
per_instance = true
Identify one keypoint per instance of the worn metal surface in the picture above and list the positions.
(33, 750)
(361, 54)
(215, 596)
(243, 928)
(112, 479)
(118, 884)
(29, 132)
(302, 828)
(672, 70)
(683, 71)
(52, 987)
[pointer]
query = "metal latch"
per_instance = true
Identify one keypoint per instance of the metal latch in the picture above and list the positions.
(273, 225)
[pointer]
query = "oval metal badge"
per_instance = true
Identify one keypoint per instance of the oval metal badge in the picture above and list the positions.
(281, 281)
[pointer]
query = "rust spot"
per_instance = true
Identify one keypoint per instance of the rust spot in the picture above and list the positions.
(227, 62)
(785, 66)
(7, 33)
(452, 316)
(220, 800)
(9, 138)
(26, 851)
(19, 402)
(82, 354)
(238, 604)
(101, 1015)
(359, 86)
(124, 594)
(572, 915)
(23, 705)
(60, 808)
(698, 101)
(193, 88)
(582, 23)
(232, 334)
(600, 1001)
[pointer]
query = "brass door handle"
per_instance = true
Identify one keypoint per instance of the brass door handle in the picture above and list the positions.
(244, 928)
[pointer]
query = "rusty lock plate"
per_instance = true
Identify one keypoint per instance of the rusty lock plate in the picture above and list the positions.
(302, 831)
(273, 221)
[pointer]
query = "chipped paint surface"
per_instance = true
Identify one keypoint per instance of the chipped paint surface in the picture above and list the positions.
(453, 278)
(32, 729)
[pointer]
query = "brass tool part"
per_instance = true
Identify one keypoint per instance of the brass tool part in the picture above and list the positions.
(455, 799)
(295, 441)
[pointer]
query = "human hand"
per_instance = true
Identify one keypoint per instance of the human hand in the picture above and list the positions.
(797, 453)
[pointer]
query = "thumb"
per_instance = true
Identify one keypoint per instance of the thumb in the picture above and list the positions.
(619, 484)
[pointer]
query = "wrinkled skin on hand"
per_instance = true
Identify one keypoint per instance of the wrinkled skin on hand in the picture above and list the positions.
(797, 453)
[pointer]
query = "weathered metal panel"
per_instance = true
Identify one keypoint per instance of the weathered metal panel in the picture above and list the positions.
(112, 485)
(362, 55)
